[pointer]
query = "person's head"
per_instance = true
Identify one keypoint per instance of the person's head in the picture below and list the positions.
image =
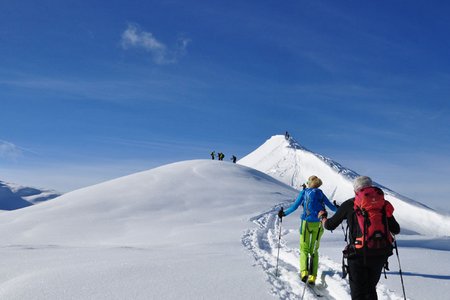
(361, 182)
(314, 182)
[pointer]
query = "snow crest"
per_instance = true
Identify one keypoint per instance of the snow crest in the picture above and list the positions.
(291, 163)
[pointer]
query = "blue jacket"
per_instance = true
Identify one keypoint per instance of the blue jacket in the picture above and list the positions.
(313, 201)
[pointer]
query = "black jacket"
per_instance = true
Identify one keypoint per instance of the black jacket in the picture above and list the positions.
(346, 211)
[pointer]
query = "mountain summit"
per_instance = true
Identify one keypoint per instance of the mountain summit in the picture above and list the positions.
(291, 163)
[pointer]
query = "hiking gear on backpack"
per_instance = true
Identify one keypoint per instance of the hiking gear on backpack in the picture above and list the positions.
(371, 211)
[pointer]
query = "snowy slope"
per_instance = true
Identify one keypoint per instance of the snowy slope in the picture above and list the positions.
(292, 164)
(174, 232)
(161, 198)
(191, 230)
(13, 196)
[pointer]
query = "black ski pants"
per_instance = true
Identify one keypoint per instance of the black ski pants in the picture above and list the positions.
(364, 277)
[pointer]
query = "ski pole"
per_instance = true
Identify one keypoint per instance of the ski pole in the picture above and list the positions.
(399, 267)
(279, 244)
(304, 290)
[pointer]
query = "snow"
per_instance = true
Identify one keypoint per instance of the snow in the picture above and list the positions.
(201, 229)
(292, 164)
(171, 232)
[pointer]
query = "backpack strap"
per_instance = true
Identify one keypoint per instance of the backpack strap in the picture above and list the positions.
(365, 234)
(344, 266)
(386, 267)
(306, 202)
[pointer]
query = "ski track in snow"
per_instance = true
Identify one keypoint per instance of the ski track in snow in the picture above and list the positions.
(286, 160)
(262, 243)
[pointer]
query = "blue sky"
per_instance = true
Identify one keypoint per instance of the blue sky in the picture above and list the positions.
(93, 90)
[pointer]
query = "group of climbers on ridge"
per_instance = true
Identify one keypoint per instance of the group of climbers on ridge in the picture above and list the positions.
(221, 156)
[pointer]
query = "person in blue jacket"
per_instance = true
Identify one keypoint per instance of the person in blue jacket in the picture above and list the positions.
(313, 201)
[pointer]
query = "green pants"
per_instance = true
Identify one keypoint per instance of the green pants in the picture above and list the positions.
(310, 235)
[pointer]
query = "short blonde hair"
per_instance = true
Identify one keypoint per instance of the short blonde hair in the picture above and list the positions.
(314, 182)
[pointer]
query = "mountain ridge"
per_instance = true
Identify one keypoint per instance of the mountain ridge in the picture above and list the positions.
(292, 163)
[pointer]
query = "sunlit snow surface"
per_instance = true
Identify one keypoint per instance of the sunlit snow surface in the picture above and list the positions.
(196, 229)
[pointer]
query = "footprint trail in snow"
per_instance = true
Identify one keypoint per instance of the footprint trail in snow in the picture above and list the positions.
(262, 242)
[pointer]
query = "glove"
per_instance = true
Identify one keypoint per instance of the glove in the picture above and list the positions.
(322, 214)
(335, 204)
(281, 213)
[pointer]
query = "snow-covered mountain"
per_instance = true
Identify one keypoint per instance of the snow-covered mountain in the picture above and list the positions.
(13, 196)
(121, 210)
(291, 163)
(173, 232)
(197, 229)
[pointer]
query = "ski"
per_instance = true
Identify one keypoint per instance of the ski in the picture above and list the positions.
(312, 289)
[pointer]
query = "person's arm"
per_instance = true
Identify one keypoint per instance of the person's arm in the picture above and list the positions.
(330, 205)
(296, 204)
(338, 217)
(393, 225)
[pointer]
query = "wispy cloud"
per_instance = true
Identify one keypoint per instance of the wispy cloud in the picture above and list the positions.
(9, 150)
(116, 87)
(134, 37)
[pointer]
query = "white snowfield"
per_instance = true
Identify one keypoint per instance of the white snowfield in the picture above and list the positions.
(197, 229)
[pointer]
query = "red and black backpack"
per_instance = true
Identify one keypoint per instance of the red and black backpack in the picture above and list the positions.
(370, 231)
(371, 210)
(370, 234)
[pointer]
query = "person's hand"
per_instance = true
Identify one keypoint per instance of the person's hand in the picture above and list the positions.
(281, 213)
(322, 214)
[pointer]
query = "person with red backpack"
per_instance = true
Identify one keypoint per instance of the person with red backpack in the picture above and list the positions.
(371, 224)
(313, 200)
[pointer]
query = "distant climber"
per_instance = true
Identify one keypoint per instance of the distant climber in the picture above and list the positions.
(286, 135)
(233, 159)
(213, 155)
(220, 156)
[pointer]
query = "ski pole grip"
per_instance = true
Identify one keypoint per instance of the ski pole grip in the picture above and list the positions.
(281, 214)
